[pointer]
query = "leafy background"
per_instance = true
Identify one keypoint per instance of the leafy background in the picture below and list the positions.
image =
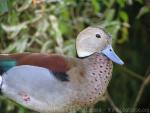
(52, 27)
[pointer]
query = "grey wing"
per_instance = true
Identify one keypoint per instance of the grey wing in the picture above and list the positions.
(31, 86)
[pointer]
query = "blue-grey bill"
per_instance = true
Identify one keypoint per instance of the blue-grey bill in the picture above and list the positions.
(109, 52)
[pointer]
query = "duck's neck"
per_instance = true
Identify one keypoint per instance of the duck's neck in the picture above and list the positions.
(98, 73)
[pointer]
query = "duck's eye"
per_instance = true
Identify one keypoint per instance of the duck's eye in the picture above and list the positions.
(98, 35)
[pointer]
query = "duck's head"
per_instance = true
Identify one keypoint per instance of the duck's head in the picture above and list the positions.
(94, 39)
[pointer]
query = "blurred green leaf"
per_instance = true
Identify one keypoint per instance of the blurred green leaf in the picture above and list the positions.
(13, 31)
(121, 3)
(144, 10)
(3, 6)
(123, 16)
(109, 15)
(124, 36)
(140, 1)
(96, 5)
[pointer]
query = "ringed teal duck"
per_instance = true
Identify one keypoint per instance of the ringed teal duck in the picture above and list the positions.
(51, 83)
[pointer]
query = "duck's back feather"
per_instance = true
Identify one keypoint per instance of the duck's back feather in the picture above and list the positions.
(52, 62)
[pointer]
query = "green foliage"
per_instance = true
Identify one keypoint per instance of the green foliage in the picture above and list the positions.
(51, 27)
(3, 6)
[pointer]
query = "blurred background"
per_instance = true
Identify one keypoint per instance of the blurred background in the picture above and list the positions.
(52, 26)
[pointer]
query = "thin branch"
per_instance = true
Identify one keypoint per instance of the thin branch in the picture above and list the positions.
(139, 95)
(112, 103)
(148, 71)
(130, 72)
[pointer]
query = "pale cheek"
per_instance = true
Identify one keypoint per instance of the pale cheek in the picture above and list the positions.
(92, 44)
(102, 45)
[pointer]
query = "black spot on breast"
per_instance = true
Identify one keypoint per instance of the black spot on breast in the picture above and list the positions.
(96, 79)
(61, 76)
(95, 88)
(93, 73)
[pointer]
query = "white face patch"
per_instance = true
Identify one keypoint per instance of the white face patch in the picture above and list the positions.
(84, 53)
